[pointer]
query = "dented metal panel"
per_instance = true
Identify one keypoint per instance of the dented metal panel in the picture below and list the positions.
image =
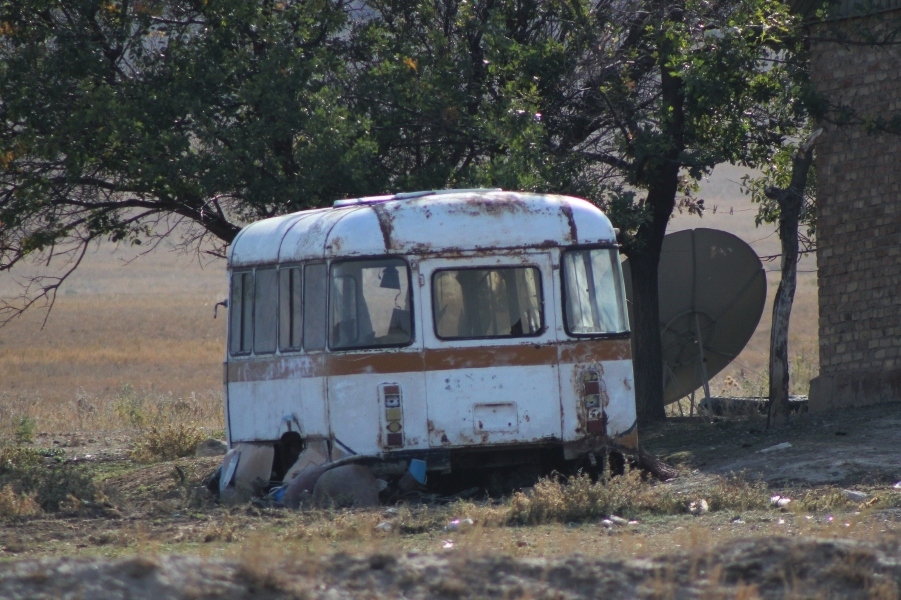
(499, 405)
(308, 238)
(429, 224)
(294, 393)
(492, 391)
(351, 231)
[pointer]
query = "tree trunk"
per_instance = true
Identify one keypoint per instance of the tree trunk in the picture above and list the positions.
(778, 410)
(644, 264)
(656, 467)
(647, 361)
(662, 179)
(790, 202)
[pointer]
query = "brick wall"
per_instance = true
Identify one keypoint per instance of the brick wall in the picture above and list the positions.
(859, 225)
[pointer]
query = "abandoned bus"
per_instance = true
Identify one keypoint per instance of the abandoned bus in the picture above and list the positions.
(456, 330)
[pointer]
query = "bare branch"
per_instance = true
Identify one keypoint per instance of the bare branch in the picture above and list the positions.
(46, 288)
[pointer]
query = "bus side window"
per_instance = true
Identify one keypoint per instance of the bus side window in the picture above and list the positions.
(290, 319)
(265, 298)
(344, 311)
(484, 303)
(369, 304)
(241, 313)
(314, 306)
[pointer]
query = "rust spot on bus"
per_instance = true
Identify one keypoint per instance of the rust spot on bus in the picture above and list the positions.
(571, 221)
(386, 224)
(479, 206)
(335, 245)
(589, 351)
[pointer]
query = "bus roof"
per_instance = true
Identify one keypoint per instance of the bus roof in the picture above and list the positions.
(427, 223)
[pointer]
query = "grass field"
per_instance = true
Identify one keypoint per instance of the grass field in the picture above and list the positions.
(118, 332)
(110, 527)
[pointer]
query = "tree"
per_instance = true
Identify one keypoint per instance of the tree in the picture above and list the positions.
(454, 90)
(136, 121)
(637, 101)
(661, 93)
(140, 121)
(785, 194)
(786, 189)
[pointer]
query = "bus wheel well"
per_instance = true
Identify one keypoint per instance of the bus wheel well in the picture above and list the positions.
(287, 450)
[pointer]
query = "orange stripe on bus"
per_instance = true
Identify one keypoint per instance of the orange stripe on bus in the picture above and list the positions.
(413, 361)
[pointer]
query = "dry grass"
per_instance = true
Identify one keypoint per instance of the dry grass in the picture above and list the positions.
(558, 518)
(16, 505)
(125, 409)
(168, 442)
(737, 493)
(579, 498)
(143, 329)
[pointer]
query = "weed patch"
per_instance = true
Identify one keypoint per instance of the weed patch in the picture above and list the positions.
(169, 442)
(819, 500)
(737, 493)
(25, 427)
(129, 407)
(15, 505)
(36, 474)
(889, 499)
(579, 498)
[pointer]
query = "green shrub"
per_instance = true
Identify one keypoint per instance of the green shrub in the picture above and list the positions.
(24, 473)
(13, 458)
(167, 443)
(25, 427)
(129, 407)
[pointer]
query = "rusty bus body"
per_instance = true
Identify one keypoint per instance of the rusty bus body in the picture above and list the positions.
(463, 328)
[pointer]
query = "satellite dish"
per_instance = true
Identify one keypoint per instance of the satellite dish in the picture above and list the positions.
(713, 288)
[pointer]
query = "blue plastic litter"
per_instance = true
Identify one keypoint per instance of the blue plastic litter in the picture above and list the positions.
(278, 493)
(417, 470)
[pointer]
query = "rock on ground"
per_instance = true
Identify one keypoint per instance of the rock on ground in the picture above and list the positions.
(347, 486)
(210, 447)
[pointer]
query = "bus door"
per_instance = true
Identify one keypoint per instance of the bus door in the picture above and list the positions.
(491, 356)
(376, 387)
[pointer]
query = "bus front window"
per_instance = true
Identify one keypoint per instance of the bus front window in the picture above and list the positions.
(593, 288)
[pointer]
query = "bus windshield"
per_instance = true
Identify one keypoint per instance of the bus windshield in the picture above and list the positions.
(593, 288)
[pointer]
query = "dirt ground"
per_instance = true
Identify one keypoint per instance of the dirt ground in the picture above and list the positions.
(155, 535)
(847, 447)
(741, 569)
